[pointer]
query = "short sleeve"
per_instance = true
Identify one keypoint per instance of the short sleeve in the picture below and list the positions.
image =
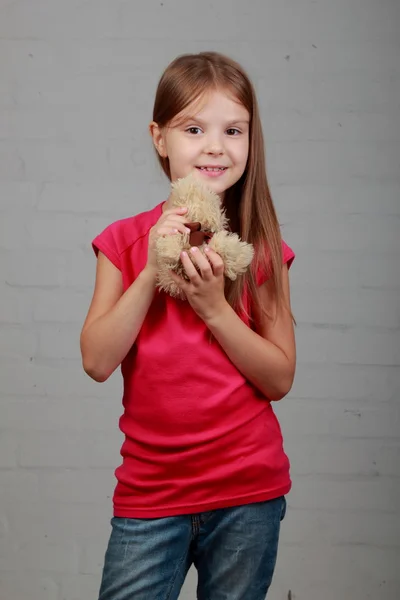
(287, 254)
(107, 243)
(288, 257)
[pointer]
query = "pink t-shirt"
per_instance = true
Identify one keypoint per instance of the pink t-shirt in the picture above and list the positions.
(198, 435)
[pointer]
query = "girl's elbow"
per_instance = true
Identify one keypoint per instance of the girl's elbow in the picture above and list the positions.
(279, 395)
(276, 395)
(281, 390)
(97, 374)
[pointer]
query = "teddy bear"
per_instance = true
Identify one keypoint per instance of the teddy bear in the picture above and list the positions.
(208, 224)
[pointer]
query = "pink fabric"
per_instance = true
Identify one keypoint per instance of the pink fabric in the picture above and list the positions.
(198, 436)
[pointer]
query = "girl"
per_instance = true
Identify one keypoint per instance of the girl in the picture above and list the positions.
(204, 474)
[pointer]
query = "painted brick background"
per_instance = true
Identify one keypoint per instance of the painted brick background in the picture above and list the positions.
(77, 80)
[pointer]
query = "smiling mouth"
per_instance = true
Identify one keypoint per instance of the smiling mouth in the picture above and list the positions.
(212, 169)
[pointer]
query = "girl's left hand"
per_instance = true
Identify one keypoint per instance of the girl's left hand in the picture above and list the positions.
(205, 291)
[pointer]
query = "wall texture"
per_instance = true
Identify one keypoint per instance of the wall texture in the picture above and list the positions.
(77, 80)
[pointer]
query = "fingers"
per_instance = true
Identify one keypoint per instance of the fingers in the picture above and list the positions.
(180, 282)
(216, 261)
(171, 227)
(201, 261)
(210, 265)
(172, 221)
(189, 267)
(181, 210)
(207, 268)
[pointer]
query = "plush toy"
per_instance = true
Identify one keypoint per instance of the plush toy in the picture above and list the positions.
(208, 224)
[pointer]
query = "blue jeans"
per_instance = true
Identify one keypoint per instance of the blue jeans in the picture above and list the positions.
(233, 549)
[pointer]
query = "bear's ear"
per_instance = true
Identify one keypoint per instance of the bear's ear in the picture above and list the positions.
(158, 139)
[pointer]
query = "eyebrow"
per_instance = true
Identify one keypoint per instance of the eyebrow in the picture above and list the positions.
(201, 122)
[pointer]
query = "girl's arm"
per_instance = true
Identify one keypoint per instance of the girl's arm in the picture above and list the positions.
(266, 358)
(114, 318)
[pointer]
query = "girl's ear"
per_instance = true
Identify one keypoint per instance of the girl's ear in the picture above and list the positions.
(158, 139)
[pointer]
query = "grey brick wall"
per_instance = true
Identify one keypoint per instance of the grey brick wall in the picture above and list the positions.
(76, 87)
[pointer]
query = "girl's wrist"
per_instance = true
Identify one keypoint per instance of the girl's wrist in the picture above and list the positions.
(150, 274)
(216, 317)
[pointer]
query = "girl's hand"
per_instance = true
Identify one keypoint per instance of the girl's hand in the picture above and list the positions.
(205, 291)
(171, 222)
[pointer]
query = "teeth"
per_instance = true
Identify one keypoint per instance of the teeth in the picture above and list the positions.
(212, 169)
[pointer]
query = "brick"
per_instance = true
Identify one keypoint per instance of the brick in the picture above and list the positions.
(69, 449)
(92, 559)
(355, 233)
(17, 343)
(375, 496)
(57, 232)
(39, 269)
(60, 306)
(62, 413)
(42, 122)
(50, 160)
(17, 195)
(368, 307)
(99, 413)
(348, 345)
(305, 527)
(55, 21)
(333, 125)
(55, 521)
(344, 458)
(118, 199)
(379, 198)
(53, 378)
(331, 270)
(8, 450)
(350, 419)
(80, 269)
(367, 55)
(40, 555)
(16, 484)
(12, 162)
(76, 587)
(15, 306)
(307, 93)
(326, 162)
(35, 587)
(4, 527)
(59, 341)
(372, 384)
(78, 485)
(20, 52)
(17, 123)
(84, 197)
(359, 571)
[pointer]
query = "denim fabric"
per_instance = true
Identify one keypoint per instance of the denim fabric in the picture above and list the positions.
(233, 549)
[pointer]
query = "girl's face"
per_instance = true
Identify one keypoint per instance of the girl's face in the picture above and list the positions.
(210, 139)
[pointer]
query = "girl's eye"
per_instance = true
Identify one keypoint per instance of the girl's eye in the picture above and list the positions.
(194, 130)
(232, 131)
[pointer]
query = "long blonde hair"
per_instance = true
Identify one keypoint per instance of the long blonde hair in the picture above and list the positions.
(248, 203)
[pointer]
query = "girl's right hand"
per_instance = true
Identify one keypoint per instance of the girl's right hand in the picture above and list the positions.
(171, 222)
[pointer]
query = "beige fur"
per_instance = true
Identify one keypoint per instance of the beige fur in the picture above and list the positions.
(203, 206)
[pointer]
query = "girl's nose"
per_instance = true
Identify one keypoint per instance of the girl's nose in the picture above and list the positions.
(215, 149)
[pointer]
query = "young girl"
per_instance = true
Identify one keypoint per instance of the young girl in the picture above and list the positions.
(204, 474)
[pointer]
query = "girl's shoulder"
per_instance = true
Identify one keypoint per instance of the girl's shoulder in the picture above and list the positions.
(120, 235)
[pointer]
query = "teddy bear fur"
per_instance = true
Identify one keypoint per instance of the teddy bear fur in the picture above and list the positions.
(204, 206)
